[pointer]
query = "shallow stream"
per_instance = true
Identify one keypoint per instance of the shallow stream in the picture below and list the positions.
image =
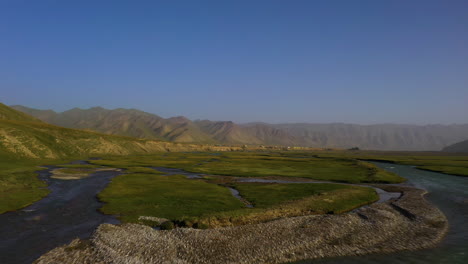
(69, 211)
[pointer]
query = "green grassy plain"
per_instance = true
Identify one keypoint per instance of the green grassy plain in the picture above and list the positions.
(263, 195)
(78, 166)
(144, 191)
(198, 202)
(206, 203)
(257, 164)
(174, 197)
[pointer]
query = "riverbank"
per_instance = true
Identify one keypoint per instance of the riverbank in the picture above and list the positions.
(77, 173)
(407, 223)
(69, 211)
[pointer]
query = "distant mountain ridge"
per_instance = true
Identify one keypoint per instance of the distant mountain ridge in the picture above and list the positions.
(460, 147)
(136, 123)
(25, 137)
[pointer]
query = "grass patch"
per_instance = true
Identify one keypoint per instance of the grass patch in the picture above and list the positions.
(79, 166)
(132, 195)
(275, 201)
(73, 170)
(180, 160)
(267, 195)
(447, 163)
(196, 203)
(19, 184)
(144, 170)
(327, 169)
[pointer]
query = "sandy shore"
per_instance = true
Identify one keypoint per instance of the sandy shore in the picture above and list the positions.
(59, 174)
(408, 223)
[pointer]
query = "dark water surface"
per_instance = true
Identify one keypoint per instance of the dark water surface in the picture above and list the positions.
(68, 212)
(450, 194)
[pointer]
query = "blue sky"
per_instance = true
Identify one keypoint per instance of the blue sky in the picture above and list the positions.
(245, 60)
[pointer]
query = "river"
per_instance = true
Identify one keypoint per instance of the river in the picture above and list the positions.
(68, 212)
(450, 194)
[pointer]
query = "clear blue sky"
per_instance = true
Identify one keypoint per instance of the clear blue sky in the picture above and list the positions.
(348, 61)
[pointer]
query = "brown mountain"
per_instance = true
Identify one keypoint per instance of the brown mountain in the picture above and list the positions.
(460, 147)
(25, 137)
(131, 122)
(126, 122)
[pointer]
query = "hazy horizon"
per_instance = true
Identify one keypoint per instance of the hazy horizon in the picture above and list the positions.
(366, 62)
(250, 122)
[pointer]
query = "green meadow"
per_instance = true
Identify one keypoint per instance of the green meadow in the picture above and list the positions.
(194, 202)
(207, 202)
(250, 164)
(19, 184)
(143, 191)
(174, 197)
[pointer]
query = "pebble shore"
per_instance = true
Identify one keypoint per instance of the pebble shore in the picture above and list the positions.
(406, 223)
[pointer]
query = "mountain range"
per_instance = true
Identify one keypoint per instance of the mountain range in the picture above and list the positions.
(25, 137)
(136, 123)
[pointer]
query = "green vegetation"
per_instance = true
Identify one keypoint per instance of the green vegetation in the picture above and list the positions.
(8, 113)
(73, 170)
(78, 166)
(197, 203)
(19, 185)
(174, 197)
(268, 195)
(433, 161)
(179, 160)
(339, 170)
(40, 140)
(26, 143)
(248, 164)
(141, 170)
(203, 203)
(449, 165)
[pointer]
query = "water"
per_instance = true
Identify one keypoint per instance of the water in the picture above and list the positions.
(70, 211)
(174, 171)
(450, 194)
(236, 194)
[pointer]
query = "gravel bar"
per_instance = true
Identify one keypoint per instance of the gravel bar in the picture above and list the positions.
(406, 223)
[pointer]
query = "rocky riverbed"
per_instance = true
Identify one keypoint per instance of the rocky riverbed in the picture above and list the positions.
(406, 223)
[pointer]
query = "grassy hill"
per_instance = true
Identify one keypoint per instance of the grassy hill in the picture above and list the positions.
(7, 113)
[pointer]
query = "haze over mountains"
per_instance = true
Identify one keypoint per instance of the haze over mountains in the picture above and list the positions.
(136, 123)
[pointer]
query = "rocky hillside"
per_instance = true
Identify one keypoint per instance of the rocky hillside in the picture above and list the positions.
(460, 147)
(131, 122)
(125, 122)
(22, 136)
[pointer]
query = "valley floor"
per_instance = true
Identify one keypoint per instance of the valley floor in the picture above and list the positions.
(190, 191)
(379, 228)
